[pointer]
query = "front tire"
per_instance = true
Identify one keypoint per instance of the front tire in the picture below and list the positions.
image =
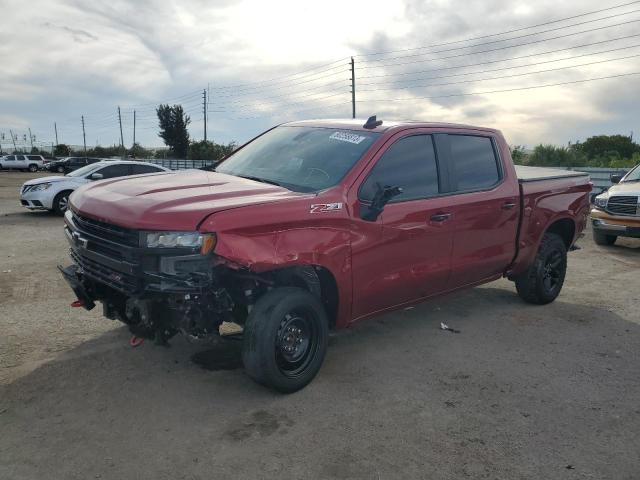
(542, 282)
(60, 169)
(61, 202)
(285, 339)
(603, 239)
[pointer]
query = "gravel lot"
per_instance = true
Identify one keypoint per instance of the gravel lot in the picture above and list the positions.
(522, 392)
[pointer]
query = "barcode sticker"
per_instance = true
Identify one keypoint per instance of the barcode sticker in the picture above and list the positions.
(347, 137)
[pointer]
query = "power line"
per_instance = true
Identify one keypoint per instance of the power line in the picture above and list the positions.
(279, 104)
(489, 62)
(501, 33)
(533, 42)
(501, 91)
(290, 76)
(507, 39)
(506, 68)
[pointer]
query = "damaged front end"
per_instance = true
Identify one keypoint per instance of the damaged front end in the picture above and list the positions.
(158, 283)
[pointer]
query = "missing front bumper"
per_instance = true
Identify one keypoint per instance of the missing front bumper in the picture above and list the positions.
(70, 274)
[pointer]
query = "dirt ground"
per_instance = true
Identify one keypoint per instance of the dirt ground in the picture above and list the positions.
(522, 392)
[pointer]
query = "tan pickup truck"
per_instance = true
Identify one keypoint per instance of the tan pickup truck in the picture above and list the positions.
(616, 212)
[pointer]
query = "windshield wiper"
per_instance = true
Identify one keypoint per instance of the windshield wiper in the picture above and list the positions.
(258, 179)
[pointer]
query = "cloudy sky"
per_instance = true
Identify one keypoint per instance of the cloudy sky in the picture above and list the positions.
(268, 62)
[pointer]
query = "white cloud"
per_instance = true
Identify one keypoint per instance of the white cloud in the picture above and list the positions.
(66, 58)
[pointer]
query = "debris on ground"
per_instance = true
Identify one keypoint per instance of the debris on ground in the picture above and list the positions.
(444, 326)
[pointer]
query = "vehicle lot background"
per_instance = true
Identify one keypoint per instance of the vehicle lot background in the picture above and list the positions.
(522, 392)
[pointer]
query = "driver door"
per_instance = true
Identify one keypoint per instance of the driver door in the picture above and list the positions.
(406, 253)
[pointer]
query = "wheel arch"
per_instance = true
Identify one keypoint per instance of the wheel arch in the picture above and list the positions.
(565, 228)
(317, 280)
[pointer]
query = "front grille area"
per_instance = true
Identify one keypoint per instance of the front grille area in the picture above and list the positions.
(623, 205)
(104, 274)
(112, 233)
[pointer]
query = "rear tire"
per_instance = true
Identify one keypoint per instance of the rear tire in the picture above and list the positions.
(603, 239)
(33, 168)
(542, 282)
(61, 202)
(285, 339)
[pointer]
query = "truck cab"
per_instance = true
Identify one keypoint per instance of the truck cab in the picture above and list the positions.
(316, 225)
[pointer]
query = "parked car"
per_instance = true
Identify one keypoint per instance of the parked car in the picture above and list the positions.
(69, 164)
(33, 163)
(616, 212)
(317, 225)
(52, 193)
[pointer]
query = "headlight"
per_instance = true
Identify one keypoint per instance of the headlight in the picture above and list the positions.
(40, 186)
(180, 239)
(601, 200)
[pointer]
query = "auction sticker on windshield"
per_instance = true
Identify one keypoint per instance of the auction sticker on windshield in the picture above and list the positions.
(347, 137)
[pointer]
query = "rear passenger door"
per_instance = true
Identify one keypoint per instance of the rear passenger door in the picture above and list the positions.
(411, 259)
(484, 208)
(21, 161)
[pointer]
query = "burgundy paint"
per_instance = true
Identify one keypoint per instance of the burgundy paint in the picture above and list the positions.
(398, 260)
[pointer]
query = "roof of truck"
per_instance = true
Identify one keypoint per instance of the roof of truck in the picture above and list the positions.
(358, 124)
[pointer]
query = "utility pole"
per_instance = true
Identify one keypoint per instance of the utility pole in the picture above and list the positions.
(55, 127)
(134, 127)
(31, 138)
(84, 137)
(204, 112)
(121, 137)
(353, 89)
(13, 139)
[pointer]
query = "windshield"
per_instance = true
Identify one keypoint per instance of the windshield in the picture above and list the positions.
(633, 175)
(303, 159)
(81, 172)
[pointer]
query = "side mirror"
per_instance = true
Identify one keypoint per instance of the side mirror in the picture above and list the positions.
(615, 177)
(96, 176)
(370, 213)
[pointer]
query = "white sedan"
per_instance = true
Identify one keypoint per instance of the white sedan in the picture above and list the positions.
(52, 193)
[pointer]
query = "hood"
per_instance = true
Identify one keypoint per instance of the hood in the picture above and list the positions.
(52, 179)
(631, 188)
(171, 201)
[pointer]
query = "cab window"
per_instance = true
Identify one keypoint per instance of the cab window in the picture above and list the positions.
(410, 163)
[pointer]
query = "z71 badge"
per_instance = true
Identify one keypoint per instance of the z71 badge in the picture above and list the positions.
(325, 207)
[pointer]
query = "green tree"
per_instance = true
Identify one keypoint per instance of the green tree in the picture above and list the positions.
(137, 151)
(518, 155)
(205, 150)
(602, 145)
(553, 156)
(173, 128)
(62, 150)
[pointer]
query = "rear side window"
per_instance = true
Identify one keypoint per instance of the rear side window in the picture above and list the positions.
(410, 163)
(34, 157)
(474, 162)
(138, 169)
(113, 171)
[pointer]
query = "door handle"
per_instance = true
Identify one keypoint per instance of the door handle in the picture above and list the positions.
(508, 205)
(440, 217)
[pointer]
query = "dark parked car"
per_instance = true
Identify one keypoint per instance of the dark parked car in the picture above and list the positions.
(70, 164)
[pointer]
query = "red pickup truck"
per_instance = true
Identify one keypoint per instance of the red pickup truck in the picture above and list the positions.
(315, 225)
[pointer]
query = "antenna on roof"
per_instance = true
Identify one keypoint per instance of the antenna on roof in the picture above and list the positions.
(372, 122)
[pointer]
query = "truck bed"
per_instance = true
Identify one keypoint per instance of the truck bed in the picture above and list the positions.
(535, 174)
